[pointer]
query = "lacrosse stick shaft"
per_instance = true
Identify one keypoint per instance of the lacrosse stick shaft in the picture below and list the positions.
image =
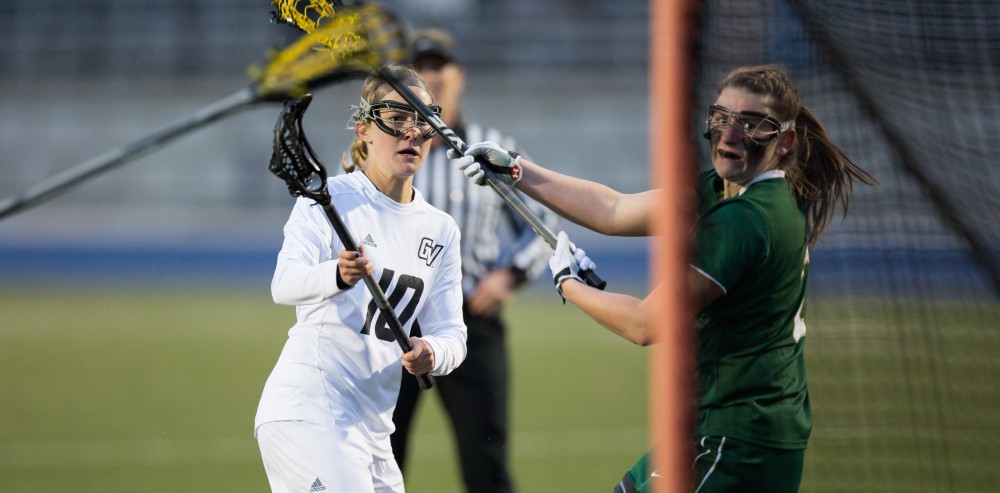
(425, 381)
(116, 157)
(296, 68)
(505, 192)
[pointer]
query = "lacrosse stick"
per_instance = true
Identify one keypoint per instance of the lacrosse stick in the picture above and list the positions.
(346, 45)
(505, 192)
(295, 162)
(310, 15)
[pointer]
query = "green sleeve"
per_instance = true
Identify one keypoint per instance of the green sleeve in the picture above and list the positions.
(731, 239)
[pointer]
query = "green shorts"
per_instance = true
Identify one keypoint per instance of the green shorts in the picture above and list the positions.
(726, 465)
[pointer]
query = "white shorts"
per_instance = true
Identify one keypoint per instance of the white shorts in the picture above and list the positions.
(301, 457)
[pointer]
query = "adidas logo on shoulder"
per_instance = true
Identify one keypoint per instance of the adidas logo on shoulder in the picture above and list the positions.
(368, 241)
(317, 486)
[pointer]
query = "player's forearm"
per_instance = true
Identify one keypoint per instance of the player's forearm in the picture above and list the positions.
(620, 313)
(584, 202)
(297, 284)
(590, 204)
(441, 321)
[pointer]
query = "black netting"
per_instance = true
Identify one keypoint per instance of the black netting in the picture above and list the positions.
(904, 320)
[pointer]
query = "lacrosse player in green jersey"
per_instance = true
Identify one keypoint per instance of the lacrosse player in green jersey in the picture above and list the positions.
(775, 183)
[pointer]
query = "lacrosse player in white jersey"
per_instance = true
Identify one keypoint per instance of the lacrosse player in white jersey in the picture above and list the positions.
(325, 416)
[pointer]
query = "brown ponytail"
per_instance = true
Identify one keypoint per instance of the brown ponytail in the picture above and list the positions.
(821, 174)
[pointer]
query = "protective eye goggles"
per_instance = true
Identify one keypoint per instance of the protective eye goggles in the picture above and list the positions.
(395, 118)
(759, 128)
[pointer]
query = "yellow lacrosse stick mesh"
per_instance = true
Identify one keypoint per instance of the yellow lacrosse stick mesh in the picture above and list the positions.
(351, 41)
(308, 15)
(385, 29)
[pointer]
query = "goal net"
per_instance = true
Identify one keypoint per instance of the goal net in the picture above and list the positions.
(904, 321)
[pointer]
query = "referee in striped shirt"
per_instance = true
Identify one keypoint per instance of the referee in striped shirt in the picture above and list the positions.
(500, 253)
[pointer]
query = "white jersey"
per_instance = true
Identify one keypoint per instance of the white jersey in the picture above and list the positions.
(340, 366)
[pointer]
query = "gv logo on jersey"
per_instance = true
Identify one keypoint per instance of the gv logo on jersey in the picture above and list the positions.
(428, 251)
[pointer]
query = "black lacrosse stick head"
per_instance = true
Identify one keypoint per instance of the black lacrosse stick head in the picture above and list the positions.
(293, 159)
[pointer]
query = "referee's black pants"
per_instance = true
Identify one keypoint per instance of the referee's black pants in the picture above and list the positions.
(475, 398)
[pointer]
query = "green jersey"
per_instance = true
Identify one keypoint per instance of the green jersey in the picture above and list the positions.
(751, 365)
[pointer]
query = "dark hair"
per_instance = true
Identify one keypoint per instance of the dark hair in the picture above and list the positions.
(820, 173)
(373, 90)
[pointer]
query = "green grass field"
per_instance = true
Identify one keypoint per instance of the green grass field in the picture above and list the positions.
(134, 390)
(117, 389)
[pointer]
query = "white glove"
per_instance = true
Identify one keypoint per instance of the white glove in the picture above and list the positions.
(582, 259)
(502, 164)
(567, 262)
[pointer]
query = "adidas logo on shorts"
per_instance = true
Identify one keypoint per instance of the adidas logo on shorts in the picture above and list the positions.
(317, 486)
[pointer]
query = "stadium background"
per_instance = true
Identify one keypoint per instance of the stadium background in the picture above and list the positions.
(85, 77)
(180, 244)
